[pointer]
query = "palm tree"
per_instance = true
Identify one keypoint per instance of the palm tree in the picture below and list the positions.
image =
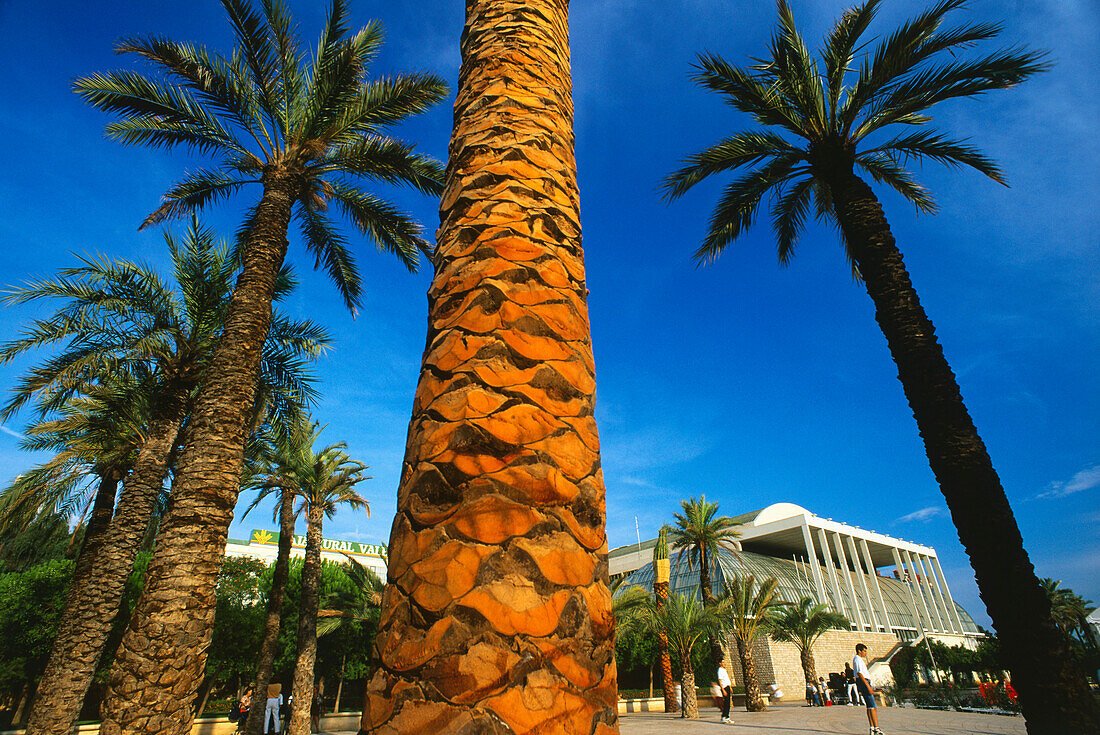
(802, 623)
(684, 621)
(700, 533)
(342, 610)
(1068, 609)
(303, 128)
(745, 611)
(273, 473)
(120, 316)
(828, 121)
(499, 532)
(326, 480)
(661, 574)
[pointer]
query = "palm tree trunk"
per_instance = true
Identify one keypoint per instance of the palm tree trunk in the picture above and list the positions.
(706, 591)
(95, 596)
(340, 684)
(1052, 690)
(809, 666)
(162, 656)
(753, 702)
(691, 699)
(660, 592)
(308, 604)
(497, 615)
(265, 664)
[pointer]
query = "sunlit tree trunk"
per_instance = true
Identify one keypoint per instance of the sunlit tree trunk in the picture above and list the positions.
(96, 592)
(660, 593)
(753, 701)
(265, 663)
(1053, 693)
(809, 666)
(308, 604)
(691, 698)
(163, 653)
(496, 616)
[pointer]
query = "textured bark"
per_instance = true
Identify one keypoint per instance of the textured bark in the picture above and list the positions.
(718, 655)
(265, 664)
(809, 666)
(660, 592)
(497, 616)
(308, 605)
(1052, 690)
(753, 700)
(691, 699)
(96, 593)
(160, 662)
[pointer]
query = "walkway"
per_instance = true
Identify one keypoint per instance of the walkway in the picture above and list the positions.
(798, 720)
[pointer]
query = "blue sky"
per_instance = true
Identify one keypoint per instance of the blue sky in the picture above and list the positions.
(743, 381)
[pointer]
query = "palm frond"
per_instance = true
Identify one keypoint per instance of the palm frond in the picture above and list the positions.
(736, 209)
(392, 230)
(385, 159)
(743, 149)
(924, 144)
(194, 192)
(789, 213)
(385, 102)
(747, 94)
(330, 249)
(885, 169)
(840, 47)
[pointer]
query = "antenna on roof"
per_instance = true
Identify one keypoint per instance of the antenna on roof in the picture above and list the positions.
(638, 534)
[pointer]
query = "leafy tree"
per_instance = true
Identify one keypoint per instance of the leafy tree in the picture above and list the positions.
(135, 349)
(746, 610)
(802, 623)
(700, 533)
(238, 624)
(304, 129)
(820, 125)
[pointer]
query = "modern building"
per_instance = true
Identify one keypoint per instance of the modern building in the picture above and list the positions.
(262, 544)
(893, 591)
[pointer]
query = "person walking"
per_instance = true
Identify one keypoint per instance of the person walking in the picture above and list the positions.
(850, 682)
(274, 701)
(863, 685)
(726, 686)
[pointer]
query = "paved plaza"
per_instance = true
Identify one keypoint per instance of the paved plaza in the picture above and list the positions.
(799, 720)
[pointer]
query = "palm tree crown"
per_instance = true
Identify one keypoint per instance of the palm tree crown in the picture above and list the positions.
(699, 533)
(821, 118)
(805, 621)
(269, 110)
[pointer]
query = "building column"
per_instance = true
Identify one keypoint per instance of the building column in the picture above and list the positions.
(904, 575)
(947, 593)
(914, 584)
(872, 614)
(948, 624)
(815, 568)
(840, 606)
(918, 560)
(874, 582)
(848, 576)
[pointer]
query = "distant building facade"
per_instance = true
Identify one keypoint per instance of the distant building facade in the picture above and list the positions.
(834, 564)
(264, 545)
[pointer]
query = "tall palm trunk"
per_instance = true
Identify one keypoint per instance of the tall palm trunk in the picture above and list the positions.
(161, 659)
(308, 604)
(1053, 693)
(497, 615)
(660, 592)
(95, 596)
(719, 654)
(265, 664)
(753, 701)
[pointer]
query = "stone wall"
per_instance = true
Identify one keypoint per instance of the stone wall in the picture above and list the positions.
(779, 663)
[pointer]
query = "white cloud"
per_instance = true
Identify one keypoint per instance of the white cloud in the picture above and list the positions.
(1086, 479)
(12, 432)
(924, 514)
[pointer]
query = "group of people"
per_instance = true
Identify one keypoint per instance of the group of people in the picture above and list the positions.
(275, 709)
(857, 680)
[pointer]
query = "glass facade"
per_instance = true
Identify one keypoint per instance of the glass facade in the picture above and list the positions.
(794, 581)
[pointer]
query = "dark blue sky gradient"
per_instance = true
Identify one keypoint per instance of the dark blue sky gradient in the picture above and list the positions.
(743, 381)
